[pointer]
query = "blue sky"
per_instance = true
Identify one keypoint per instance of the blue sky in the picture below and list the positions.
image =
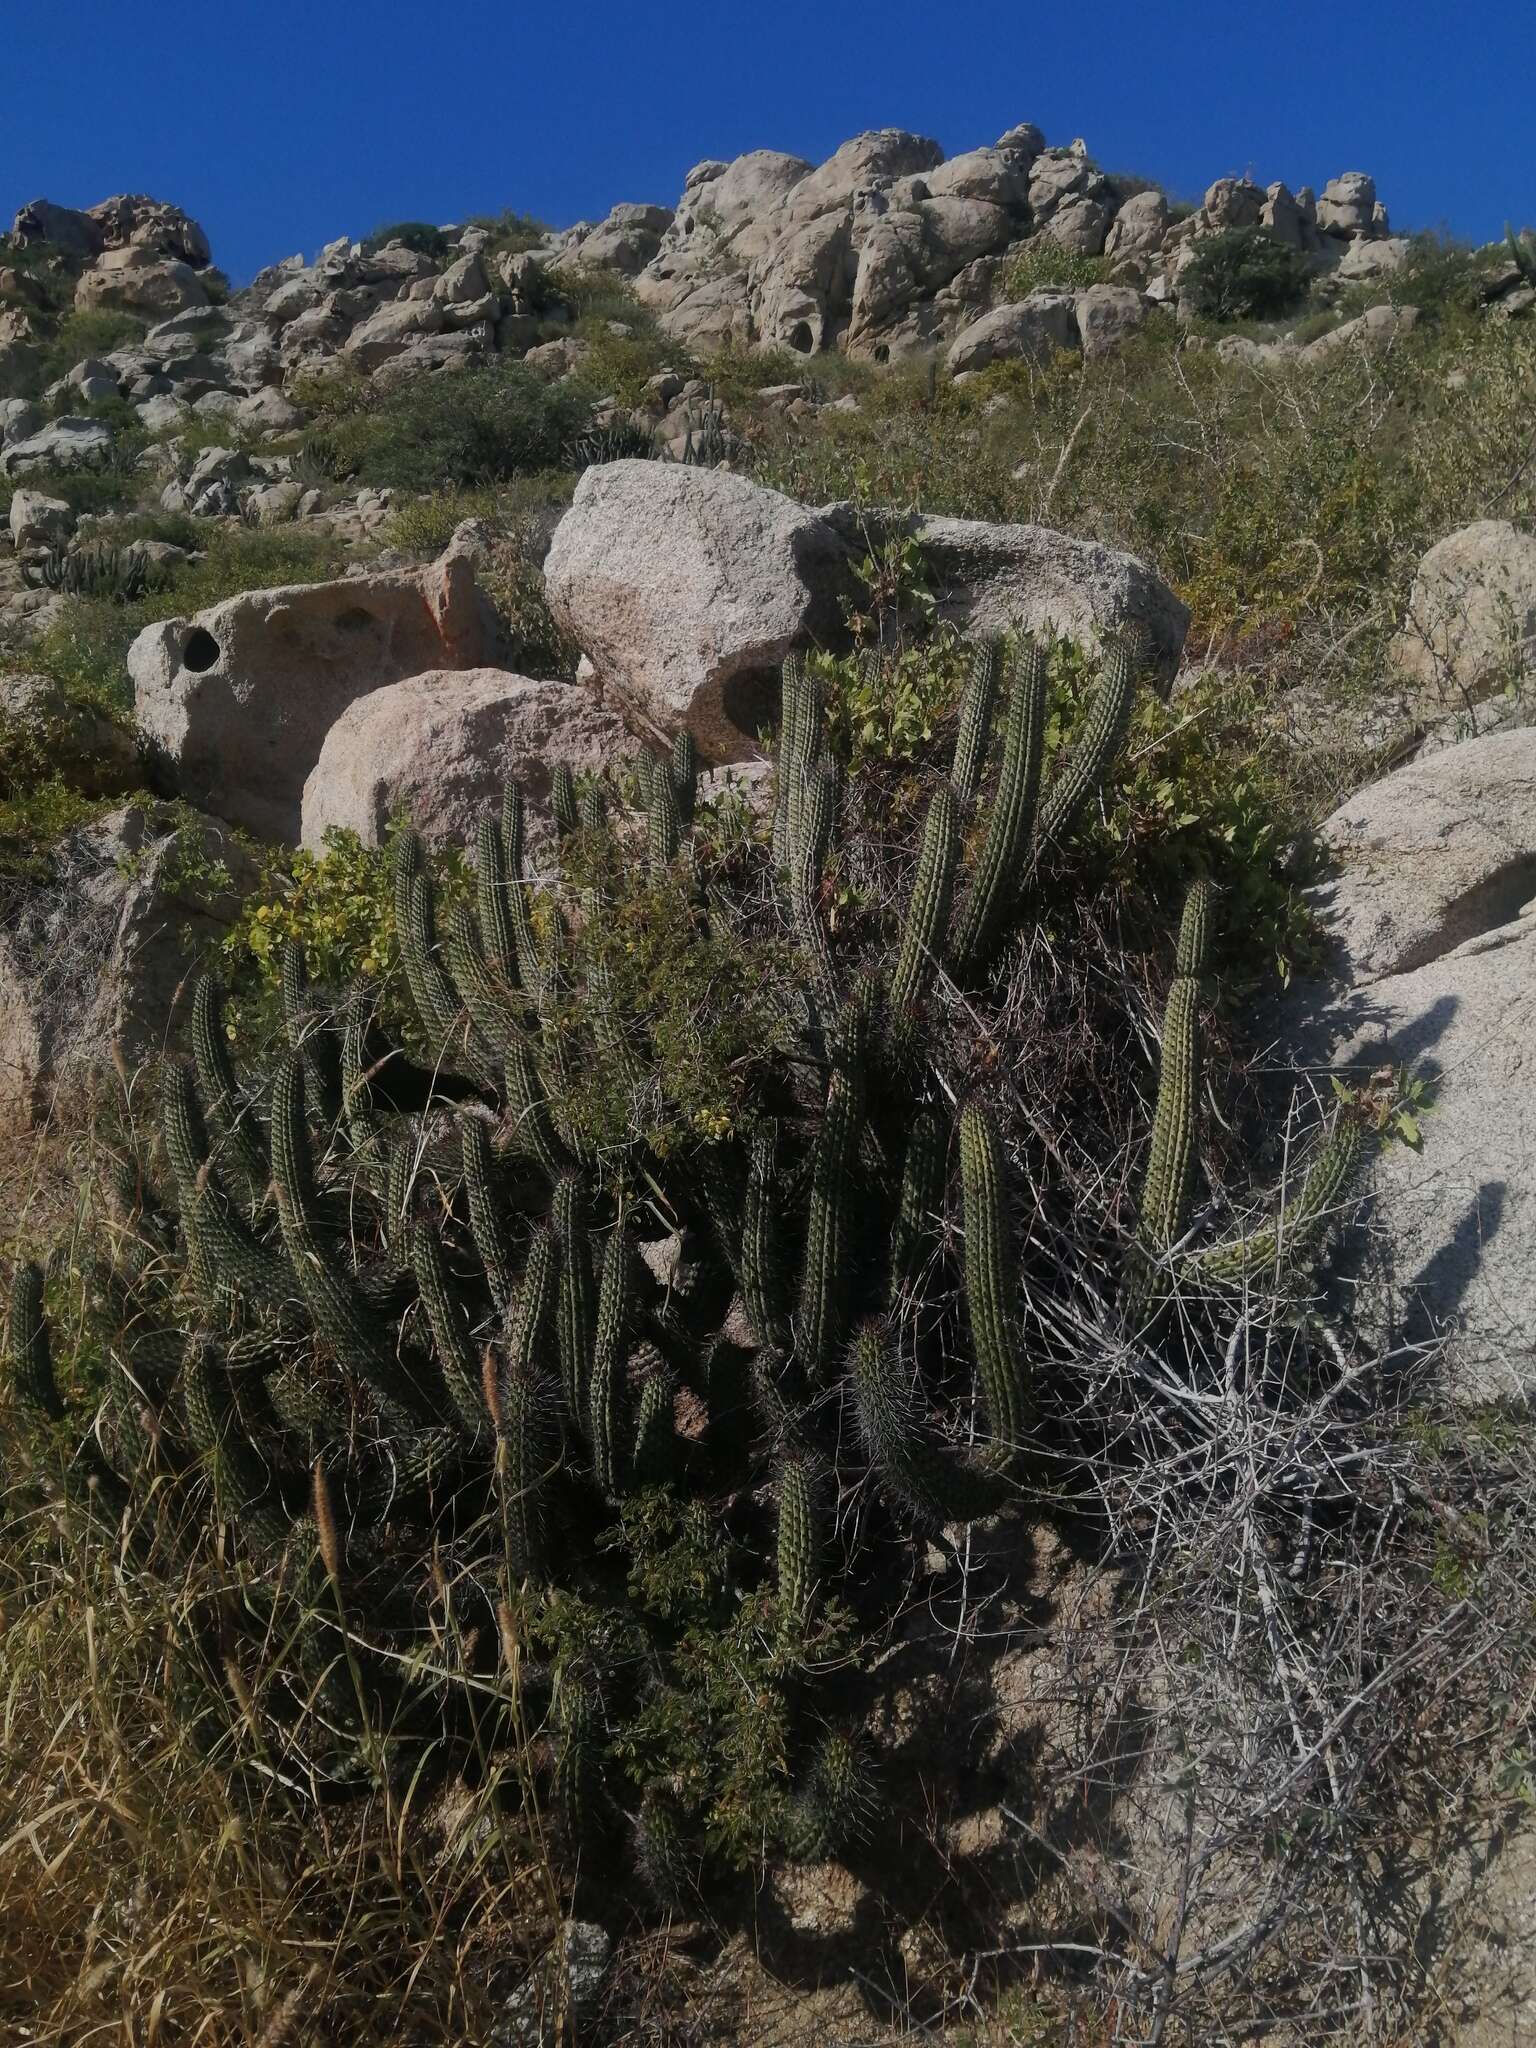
(281, 125)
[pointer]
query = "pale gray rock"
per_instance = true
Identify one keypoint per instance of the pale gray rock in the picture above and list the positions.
(1139, 227)
(268, 412)
(67, 443)
(1024, 140)
(98, 960)
(1231, 203)
(686, 588)
(94, 753)
(1081, 224)
(38, 521)
(999, 177)
(137, 280)
(20, 419)
(1368, 260)
(1470, 626)
(1031, 328)
(133, 219)
(1378, 327)
(238, 699)
(1434, 914)
(392, 328)
(995, 578)
(536, 2014)
(440, 747)
(1347, 205)
(1107, 315)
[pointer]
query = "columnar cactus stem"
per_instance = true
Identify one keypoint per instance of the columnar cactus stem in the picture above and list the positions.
(229, 1260)
(1301, 1223)
(999, 1364)
(977, 708)
(528, 1099)
(826, 1288)
(929, 1482)
(922, 1199)
(799, 1545)
(1000, 866)
(605, 1389)
(562, 799)
(495, 881)
(685, 776)
(577, 1305)
(664, 822)
(450, 1336)
(488, 1212)
(762, 1277)
(359, 1337)
(922, 936)
(1083, 772)
(235, 1121)
(1166, 1190)
(486, 998)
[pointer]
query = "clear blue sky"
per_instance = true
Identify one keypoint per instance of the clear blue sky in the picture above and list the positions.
(280, 124)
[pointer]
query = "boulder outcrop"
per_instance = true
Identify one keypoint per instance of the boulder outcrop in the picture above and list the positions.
(439, 748)
(238, 700)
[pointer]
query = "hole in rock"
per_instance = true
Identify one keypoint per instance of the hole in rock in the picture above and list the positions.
(200, 652)
(353, 620)
(751, 700)
(801, 340)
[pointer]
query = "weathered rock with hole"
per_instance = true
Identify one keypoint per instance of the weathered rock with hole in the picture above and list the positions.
(439, 747)
(98, 958)
(687, 587)
(1433, 912)
(239, 699)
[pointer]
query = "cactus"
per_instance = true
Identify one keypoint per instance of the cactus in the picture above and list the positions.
(1301, 1222)
(1093, 751)
(977, 707)
(829, 1812)
(799, 1545)
(999, 1365)
(425, 1397)
(577, 1311)
(826, 1287)
(562, 799)
(1166, 1188)
(922, 935)
(999, 870)
(605, 1385)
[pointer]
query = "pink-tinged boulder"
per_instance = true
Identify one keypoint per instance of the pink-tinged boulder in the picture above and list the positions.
(439, 747)
(238, 700)
(686, 588)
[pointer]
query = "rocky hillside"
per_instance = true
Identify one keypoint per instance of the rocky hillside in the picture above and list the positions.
(709, 926)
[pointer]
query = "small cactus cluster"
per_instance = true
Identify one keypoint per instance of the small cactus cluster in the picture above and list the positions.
(417, 1350)
(121, 574)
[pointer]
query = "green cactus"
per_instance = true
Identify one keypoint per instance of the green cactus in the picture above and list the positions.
(662, 1854)
(240, 1137)
(762, 1276)
(999, 873)
(605, 1385)
(562, 799)
(1168, 1183)
(577, 1312)
(229, 1262)
(593, 809)
(685, 776)
(1301, 1223)
(922, 935)
(455, 1348)
(921, 1200)
(826, 1289)
(1082, 774)
(927, 1481)
(664, 820)
(829, 1813)
(977, 709)
(799, 1545)
(999, 1364)
(28, 1353)
(495, 881)
(655, 1442)
(528, 1099)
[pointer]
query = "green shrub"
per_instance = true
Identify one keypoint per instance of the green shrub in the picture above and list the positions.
(463, 431)
(78, 335)
(1044, 265)
(1244, 274)
(510, 233)
(419, 235)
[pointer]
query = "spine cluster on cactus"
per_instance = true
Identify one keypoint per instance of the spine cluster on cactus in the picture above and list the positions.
(397, 1312)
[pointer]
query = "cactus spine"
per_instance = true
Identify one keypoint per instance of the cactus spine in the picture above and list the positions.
(234, 1121)
(562, 799)
(605, 1387)
(1301, 1222)
(826, 1282)
(577, 1311)
(798, 1546)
